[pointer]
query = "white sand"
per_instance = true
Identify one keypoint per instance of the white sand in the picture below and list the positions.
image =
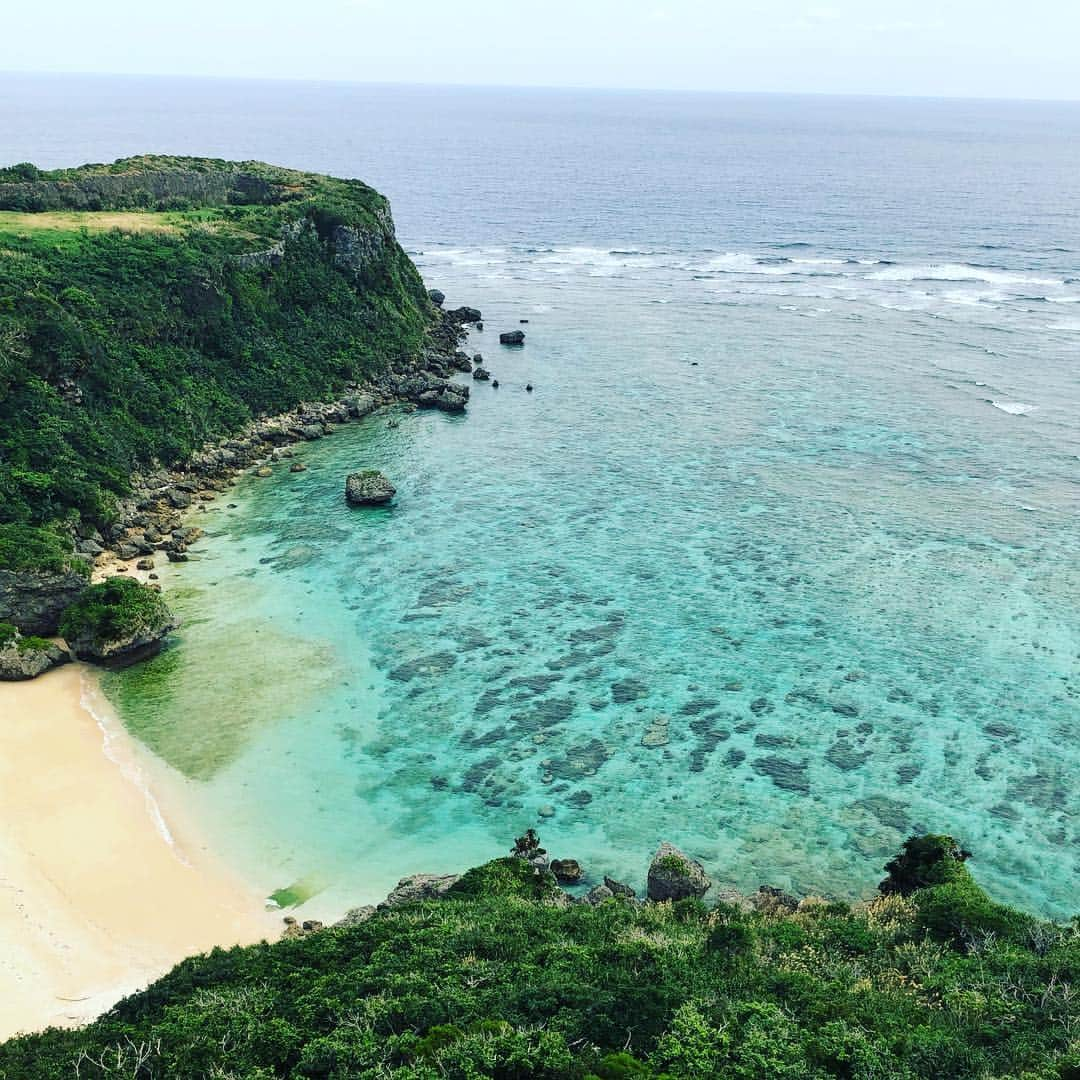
(96, 900)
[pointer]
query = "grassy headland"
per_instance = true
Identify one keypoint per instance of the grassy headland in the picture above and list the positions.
(503, 977)
(150, 305)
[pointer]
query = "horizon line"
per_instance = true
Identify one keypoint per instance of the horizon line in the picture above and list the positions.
(569, 88)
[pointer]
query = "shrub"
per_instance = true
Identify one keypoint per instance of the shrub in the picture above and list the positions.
(111, 610)
(26, 548)
(924, 860)
(506, 877)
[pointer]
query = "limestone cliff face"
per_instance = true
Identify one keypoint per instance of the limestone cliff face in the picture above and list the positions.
(33, 601)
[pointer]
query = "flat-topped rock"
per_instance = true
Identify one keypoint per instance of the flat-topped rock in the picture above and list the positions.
(512, 337)
(419, 887)
(465, 315)
(368, 488)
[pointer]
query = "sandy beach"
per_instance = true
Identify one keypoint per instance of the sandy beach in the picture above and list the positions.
(103, 886)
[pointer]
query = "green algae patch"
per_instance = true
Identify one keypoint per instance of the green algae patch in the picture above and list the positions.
(299, 892)
(198, 709)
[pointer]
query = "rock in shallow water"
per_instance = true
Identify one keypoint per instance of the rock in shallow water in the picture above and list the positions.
(567, 871)
(368, 488)
(673, 875)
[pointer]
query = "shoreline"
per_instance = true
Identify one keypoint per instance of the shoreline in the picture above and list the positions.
(156, 518)
(104, 884)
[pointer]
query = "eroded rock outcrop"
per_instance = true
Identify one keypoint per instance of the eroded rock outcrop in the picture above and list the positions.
(117, 622)
(34, 600)
(419, 887)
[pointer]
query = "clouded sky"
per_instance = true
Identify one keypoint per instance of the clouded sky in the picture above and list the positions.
(984, 48)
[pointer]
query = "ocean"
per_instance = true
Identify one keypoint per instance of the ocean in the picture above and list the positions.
(778, 560)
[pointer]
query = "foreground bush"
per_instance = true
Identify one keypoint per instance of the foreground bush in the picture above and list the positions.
(114, 618)
(497, 985)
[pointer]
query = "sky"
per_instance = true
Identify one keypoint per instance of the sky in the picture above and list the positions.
(967, 48)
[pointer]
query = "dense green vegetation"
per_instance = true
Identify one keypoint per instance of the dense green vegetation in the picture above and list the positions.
(9, 635)
(499, 980)
(113, 610)
(122, 345)
(23, 547)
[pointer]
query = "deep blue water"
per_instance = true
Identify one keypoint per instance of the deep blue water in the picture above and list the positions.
(794, 499)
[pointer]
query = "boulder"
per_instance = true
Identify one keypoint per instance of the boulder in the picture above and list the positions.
(673, 875)
(34, 600)
(567, 871)
(770, 900)
(447, 399)
(598, 894)
(619, 889)
(438, 297)
(418, 887)
(117, 622)
(368, 488)
(355, 916)
(481, 374)
(465, 315)
(359, 405)
(27, 657)
(512, 337)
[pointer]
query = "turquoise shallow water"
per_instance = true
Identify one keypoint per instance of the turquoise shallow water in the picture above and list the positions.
(800, 474)
(778, 509)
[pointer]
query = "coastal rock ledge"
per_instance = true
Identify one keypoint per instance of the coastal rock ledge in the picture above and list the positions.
(368, 488)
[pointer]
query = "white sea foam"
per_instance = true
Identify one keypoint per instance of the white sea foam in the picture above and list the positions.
(128, 768)
(1014, 408)
(959, 272)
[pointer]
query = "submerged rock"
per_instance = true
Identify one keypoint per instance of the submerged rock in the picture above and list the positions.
(656, 734)
(368, 488)
(673, 875)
